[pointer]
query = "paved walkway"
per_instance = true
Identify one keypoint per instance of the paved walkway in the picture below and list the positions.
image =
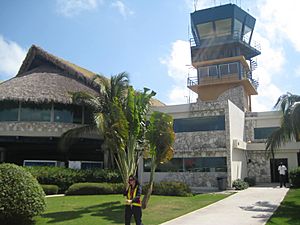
(252, 206)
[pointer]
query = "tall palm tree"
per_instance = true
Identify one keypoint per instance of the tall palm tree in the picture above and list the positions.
(289, 105)
(161, 136)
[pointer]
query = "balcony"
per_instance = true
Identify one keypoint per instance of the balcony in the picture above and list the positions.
(250, 84)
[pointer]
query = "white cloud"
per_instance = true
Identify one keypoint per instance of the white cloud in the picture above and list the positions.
(11, 58)
(71, 8)
(281, 20)
(179, 67)
(122, 8)
(270, 65)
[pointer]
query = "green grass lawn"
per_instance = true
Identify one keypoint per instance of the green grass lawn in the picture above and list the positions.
(288, 213)
(109, 209)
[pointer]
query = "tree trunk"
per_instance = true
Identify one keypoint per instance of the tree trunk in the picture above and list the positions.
(149, 192)
(273, 162)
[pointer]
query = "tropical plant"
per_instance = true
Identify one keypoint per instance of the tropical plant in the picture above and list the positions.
(289, 105)
(120, 115)
(160, 136)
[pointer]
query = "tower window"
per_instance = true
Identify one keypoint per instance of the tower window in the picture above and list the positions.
(213, 71)
(223, 27)
(206, 30)
(233, 68)
(237, 27)
(203, 72)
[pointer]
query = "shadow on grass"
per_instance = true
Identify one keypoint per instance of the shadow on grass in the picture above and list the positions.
(112, 212)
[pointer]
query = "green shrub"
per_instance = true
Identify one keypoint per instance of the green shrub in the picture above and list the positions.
(240, 184)
(95, 188)
(65, 177)
(169, 188)
(50, 189)
(295, 177)
(250, 180)
(21, 197)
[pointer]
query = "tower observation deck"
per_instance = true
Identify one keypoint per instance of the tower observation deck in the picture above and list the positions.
(222, 51)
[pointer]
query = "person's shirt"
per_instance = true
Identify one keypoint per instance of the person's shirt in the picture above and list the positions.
(282, 169)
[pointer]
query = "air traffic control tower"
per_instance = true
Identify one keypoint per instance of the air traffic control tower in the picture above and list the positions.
(222, 51)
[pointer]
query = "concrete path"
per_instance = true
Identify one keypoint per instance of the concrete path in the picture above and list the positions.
(252, 206)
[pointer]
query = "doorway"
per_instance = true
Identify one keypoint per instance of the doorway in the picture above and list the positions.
(274, 163)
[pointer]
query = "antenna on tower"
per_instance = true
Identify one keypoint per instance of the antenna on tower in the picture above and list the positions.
(195, 4)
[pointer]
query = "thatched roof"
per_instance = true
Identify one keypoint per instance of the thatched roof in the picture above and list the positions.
(47, 78)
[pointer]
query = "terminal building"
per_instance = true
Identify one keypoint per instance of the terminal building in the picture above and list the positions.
(36, 108)
(219, 137)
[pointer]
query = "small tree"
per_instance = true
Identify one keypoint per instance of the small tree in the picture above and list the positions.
(161, 138)
(120, 115)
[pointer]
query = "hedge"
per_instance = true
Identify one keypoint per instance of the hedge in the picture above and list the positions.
(295, 177)
(21, 196)
(50, 189)
(169, 188)
(95, 189)
(240, 184)
(65, 177)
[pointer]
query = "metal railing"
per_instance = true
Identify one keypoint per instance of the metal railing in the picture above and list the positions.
(194, 81)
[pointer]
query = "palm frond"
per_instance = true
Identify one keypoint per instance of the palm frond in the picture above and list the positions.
(275, 140)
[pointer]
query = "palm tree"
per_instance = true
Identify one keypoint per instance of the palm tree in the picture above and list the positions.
(120, 115)
(100, 105)
(161, 136)
(289, 104)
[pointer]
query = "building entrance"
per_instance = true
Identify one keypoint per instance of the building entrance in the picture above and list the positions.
(274, 163)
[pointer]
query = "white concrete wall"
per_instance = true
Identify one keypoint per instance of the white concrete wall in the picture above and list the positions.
(236, 131)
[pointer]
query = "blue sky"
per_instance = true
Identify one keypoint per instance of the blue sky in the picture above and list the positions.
(148, 39)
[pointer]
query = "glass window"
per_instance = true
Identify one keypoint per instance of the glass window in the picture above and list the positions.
(63, 114)
(91, 165)
(67, 113)
(174, 165)
(198, 164)
(213, 71)
(223, 27)
(35, 112)
(88, 116)
(9, 111)
(233, 68)
(264, 132)
(203, 71)
(206, 30)
(77, 114)
(237, 27)
(224, 69)
(246, 34)
(205, 164)
(199, 124)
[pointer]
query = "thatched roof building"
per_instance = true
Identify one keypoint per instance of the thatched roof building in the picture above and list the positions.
(46, 78)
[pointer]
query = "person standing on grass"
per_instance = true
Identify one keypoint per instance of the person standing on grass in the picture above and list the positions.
(133, 201)
(282, 174)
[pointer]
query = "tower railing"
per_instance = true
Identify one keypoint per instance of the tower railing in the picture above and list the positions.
(195, 80)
